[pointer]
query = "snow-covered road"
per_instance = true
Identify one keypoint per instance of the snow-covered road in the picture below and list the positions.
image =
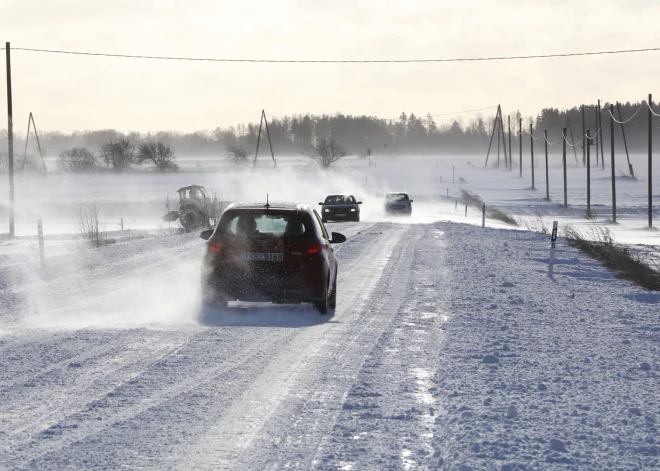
(108, 362)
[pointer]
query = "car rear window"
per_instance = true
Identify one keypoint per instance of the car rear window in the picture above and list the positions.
(397, 197)
(254, 224)
(340, 199)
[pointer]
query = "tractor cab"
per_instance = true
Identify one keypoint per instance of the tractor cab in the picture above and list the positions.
(192, 193)
(195, 208)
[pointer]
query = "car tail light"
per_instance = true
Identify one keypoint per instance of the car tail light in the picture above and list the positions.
(214, 247)
(314, 249)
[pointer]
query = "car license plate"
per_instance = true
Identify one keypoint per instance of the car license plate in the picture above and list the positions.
(340, 215)
(264, 257)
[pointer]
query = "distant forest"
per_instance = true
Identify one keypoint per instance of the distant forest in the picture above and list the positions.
(408, 135)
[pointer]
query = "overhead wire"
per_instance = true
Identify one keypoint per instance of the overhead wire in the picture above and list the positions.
(340, 61)
(627, 120)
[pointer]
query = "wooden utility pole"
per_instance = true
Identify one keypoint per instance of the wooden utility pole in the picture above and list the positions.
(596, 134)
(531, 140)
(570, 129)
(272, 154)
(256, 154)
(503, 139)
(10, 141)
(625, 142)
(508, 119)
(563, 160)
(547, 178)
(499, 124)
(600, 126)
(520, 144)
(587, 143)
(612, 163)
(650, 178)
(584, 133)
(492, 135)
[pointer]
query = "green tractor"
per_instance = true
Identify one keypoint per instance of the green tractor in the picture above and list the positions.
(195, 208)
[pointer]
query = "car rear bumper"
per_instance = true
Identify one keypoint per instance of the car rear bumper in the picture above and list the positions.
(233, 284)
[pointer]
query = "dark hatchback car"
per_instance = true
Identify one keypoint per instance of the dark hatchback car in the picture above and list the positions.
(340, 208)
(277, 253)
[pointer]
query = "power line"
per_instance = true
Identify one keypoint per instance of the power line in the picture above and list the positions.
(317, 61)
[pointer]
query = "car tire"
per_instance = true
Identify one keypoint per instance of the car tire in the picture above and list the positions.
(323, 305)
(357, 218)
(324, 219)
(333, 299)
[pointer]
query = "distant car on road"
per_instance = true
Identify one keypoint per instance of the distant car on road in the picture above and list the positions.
(398, 203)
(278, 253)
(340, 208)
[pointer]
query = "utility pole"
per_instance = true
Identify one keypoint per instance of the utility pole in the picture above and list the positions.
(10, 140)
(531, 140)
(625, 143)
(508, 119)
(563, 159)
(600, 126)
(547, 178)
(520, 144)
(492, 135)
(596, 134)
(499, 123)
(613, 170)
(587, 143)
(650, 178)
(584, 133)
(503, 139)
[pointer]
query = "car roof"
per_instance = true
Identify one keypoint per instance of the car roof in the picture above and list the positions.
(340, 194)
(397, 193)
(277, 206)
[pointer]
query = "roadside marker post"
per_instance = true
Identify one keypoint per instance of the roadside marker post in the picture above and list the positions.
(466, 210)
(483, 216)
(553, 244)
(40, 232)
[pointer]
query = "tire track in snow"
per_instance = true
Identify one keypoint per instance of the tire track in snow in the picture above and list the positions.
(265, 405)
(296, 429)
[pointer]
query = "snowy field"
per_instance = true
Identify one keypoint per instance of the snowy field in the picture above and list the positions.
(450, 347)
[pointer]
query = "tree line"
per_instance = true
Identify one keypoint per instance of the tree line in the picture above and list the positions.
(409, 134)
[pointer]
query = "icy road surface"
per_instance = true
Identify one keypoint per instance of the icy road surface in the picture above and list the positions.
(450, 348)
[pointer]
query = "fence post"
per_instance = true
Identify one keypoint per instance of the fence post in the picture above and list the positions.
(40, 232)
(553, 243)
(547, 177)
(587, 143)
(563, 161)
(650, 178)
(613, 167)
(531, 141)
(121, 222)
(466, 210)
(483, 215)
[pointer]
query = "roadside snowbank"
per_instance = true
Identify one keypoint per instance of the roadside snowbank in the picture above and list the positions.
(540, 373)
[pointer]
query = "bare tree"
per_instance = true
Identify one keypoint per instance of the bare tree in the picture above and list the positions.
(327, 151)
(89, 226)
(237, 156)
(78, 159)
(118, 155)
(159, 154)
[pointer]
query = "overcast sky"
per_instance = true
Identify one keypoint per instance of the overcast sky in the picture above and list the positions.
(75, 93)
